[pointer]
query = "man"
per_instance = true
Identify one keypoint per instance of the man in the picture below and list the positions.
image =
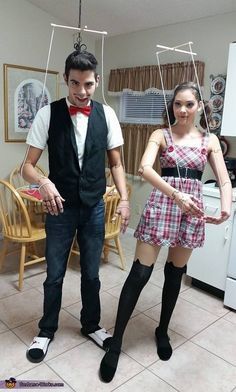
(78, 132)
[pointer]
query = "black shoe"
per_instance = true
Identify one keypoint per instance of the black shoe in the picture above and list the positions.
(98, 336)
(109, 364)
(164, 349)
(38, 349)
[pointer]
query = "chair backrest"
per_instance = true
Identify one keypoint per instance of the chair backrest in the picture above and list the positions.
(18, 181)
(13, 213)
(112, 221)
(110, 182)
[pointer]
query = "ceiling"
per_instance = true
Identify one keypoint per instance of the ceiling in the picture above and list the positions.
(125, 16)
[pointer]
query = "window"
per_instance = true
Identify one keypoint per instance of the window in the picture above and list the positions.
(142, 108)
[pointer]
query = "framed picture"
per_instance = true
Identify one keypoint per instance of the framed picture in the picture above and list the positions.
(24, 95)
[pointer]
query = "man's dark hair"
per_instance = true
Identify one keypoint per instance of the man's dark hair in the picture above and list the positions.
(82, 61)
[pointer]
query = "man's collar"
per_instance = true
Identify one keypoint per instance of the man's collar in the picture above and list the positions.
(70, 103)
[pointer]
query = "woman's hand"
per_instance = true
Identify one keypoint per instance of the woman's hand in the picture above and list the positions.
(123, 209)
(188, 204)
(52, 200)
(217, 220)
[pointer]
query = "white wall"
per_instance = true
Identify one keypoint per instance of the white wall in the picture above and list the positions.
(25, 35)
(211, 38)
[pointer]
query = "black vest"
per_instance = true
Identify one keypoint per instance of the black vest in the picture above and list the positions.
(75, 185)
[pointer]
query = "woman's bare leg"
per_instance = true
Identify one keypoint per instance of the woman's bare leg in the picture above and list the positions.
(146, 253)
(179, 256)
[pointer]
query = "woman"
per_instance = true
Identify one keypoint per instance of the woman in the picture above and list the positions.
(173, 215)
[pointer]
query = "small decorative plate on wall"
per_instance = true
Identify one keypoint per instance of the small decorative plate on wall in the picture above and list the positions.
(217, 102)
(215, 121)
(218, 85)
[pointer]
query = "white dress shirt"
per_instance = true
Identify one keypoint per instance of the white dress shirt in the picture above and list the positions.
(38, 133)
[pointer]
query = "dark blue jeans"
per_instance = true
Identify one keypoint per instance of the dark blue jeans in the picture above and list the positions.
(60, 231)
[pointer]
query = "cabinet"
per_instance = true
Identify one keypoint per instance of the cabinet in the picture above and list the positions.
(209, 264)
(230, 289)
(228, 127)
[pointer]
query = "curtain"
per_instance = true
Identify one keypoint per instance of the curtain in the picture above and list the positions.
(135, 141)
(146, 77)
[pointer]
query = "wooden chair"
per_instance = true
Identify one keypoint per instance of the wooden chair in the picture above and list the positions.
(17, 228)
(17, 181)
(109, 179)
(74, 249)
(112, 226)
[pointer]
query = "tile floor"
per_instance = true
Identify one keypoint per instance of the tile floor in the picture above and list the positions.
(202, 331)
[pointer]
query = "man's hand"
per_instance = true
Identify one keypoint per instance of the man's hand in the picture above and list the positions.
(52, 200)
(123, 209)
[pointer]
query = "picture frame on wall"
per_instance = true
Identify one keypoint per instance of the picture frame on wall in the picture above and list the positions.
(23, 96)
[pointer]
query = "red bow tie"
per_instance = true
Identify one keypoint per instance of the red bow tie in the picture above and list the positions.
(75, 109)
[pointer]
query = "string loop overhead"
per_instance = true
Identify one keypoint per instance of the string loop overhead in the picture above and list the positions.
(50, 48)
(192, 54)
(78, 45)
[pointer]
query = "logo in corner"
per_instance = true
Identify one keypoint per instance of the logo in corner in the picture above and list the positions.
(11, 383)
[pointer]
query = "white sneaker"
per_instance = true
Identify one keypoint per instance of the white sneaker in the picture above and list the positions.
(98, 337)
(38, 349)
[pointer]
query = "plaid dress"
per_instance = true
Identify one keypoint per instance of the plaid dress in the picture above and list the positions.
(162, 221)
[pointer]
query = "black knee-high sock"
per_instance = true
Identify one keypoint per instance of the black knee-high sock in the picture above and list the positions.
(170, 293)
(135, 282)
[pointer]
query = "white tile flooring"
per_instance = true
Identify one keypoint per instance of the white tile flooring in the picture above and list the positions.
(202, 331)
